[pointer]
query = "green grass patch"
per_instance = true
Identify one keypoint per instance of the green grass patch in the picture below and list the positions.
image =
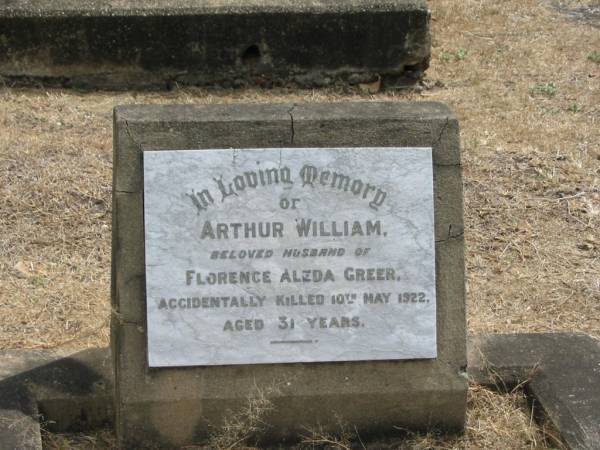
(594, 56)
(547, 89)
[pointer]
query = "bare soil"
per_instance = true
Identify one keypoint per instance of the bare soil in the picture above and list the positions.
(523, 81)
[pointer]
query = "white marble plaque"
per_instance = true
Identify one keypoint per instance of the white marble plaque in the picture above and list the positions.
(289, 255)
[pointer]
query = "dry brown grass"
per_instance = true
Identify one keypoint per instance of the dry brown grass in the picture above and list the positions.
(532, 162)
(517, 74)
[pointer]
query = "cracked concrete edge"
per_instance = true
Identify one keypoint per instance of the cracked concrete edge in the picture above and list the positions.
(561, 371)
(158, 127)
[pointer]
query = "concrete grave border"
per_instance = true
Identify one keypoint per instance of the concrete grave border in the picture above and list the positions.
(64, 389)
(559, 371)
(124, 44)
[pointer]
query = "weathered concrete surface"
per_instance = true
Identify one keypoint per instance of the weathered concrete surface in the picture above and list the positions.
(120, 44)
(177, 406)
(560, 370)
(71, 389)
(19, 424)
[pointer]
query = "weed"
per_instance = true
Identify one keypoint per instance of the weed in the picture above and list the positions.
(344, 439)
(458, 55)
(39, 282)
(548, 89)
(594, 56)
(246, 423)
(461, 54)
(97, 440)
(574, 107)
(446, 56)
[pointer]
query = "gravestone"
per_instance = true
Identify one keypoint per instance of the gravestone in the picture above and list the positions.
(312, 252)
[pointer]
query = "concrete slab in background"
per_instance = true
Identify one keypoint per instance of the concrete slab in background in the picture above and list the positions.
(561, 371)
(123, 44)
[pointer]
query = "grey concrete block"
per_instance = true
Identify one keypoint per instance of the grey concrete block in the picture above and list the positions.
(191, 127)
(560, 370)
(359, 124)
(176, 406)
(72, 390)
(123, 44)
(19, 419)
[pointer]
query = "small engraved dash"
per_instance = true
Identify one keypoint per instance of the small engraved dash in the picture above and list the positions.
(293, 342)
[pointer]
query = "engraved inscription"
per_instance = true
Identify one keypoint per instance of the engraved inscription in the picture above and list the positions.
(289, 255)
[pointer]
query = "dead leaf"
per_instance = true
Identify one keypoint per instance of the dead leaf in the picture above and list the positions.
(22, 270)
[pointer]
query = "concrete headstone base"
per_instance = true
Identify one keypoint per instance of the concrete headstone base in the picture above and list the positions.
(559, 372)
